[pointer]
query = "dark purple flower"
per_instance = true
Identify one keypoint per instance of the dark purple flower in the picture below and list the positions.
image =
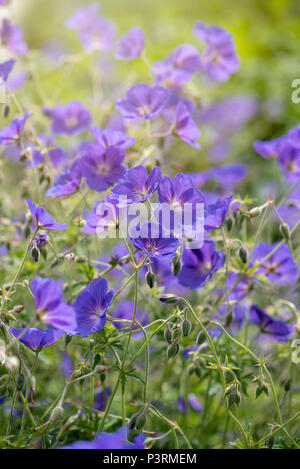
(125, 310)
(199, 265)
(44, 220)
(143, 102)
(215, 213)
(276, 329)
(36, 339)
(50, 306)
(185, 127)
(94, 31)
(270, 148)
(131, 46)
(67, 182)
(152, 242)
(178, 67)
(110, 137)
(219, 59)
(70, 119)
(12, 37)
(101, 167)
(280, 268)
(13, 132)
(6, 68)
(289, 163)
(137, 185)
(116, 440)
(91, 306)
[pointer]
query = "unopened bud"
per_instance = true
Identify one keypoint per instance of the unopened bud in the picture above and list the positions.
(228, 318)
(56, 415)
(285, 231)
(176, 266)
(150, 278)
(6, 110)
(35, 253)
(172, 350)
(287, 385)
(234, 399)
(32, 383)
(186, 327)
(18, 309)
(243, 254)
(168, 334)
(201, 337)
(170, 299)
(140, 422)
(229, 223)
(132, 421)
(20, 382)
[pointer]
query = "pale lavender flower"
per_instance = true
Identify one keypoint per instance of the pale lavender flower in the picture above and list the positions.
(131, 46)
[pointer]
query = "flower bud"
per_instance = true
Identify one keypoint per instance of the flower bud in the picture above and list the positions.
(4, 379)
(201, 337)
(270, 442)
(132, 421)
(191, 369)
(140, 421)
(56, 414)
(150, 278)
(168, 334)
(243, 254)
(228, 318)
(186, 327)
(172, 350)
(176, 266)
(6, 110)
(20, 382)
(18, 309)
(170, 299)
(285, 231)
(287, 385)
(229, 223)
(32, 383)
(234, 399)
(35, 253)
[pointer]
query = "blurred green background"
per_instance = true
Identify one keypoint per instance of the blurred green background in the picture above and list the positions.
(267, 36)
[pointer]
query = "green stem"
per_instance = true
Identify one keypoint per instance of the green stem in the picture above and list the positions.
(220, 369)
